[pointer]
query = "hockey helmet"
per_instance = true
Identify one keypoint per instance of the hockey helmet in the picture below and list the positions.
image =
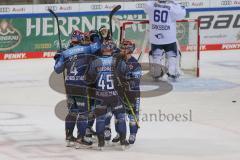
(77, 37)
(127, 45)
(104, 32)
(108, 46)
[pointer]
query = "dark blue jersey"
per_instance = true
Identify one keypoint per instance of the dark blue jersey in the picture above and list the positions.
(102, 72)
(134, 73)
(75, 60)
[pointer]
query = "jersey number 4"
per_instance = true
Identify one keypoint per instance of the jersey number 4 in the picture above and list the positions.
(106, 83)
(160, 16)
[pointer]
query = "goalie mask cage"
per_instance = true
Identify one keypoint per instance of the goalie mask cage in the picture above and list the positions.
(187, 35)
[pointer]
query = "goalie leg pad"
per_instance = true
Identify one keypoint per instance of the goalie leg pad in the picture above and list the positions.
(172, 64)
(156, 63)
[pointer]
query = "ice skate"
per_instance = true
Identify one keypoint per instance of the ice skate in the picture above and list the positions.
(82, 142)
(107, 135)
(70, 141)
(101, 142)
(123, 142)
(116, 139)
(132, 139)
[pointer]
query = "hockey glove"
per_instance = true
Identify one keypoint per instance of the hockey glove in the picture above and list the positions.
(58, 54)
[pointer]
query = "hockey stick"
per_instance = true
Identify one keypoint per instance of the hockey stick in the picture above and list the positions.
(60, 43)
(124, 93)
(114, 10)
(59, 35)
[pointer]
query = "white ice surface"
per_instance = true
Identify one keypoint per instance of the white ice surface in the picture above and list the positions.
(29, 128)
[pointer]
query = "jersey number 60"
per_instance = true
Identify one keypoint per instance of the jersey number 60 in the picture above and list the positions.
(160, 16)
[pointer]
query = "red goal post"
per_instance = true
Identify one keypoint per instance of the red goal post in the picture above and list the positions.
(188, 35)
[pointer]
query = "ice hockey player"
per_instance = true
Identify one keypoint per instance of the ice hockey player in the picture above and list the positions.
(163, 15)
(104, 33)
(134, 74)
(75, 60)
(102, 72)
(105, 36)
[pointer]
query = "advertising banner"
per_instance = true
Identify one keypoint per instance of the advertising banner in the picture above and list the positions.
(219, 28)
(31, 29)
(39, 34)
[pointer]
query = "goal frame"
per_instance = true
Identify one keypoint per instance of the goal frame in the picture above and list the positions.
(124, 23)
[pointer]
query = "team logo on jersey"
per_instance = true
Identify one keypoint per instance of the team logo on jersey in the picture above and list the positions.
(159, 36)
(10, 37)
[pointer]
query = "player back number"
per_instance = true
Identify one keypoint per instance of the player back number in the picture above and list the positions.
(160, 16)
(106, 82)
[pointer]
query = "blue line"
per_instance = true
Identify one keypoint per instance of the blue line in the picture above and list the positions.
(91, 13)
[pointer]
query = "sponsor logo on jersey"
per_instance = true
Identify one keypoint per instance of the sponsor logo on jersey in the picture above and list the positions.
(10, 37)
(159, 36)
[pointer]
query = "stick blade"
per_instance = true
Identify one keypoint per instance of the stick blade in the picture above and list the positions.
(51, 11)
(115, 9)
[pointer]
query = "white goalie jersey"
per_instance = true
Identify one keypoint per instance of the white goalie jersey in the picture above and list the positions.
(162, 20)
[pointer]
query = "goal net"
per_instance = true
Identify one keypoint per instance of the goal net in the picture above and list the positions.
(187, 35)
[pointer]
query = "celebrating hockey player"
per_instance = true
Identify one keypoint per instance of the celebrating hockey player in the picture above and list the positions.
(102, 72)
(127, 47)
(104, 33)
(163, 15)
(75, 60)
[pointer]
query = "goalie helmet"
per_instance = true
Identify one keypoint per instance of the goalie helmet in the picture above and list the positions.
(128, 46)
